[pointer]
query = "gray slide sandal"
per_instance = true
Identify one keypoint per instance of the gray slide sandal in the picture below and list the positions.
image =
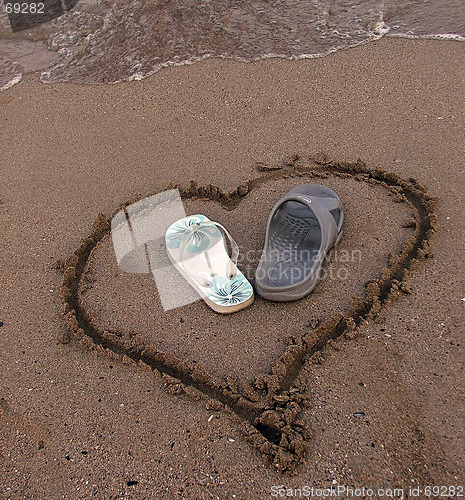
(302, 227)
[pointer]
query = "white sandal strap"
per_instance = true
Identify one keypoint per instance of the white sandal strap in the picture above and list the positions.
(188, 234)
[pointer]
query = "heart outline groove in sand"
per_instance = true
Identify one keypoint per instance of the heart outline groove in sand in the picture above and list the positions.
(268, 409)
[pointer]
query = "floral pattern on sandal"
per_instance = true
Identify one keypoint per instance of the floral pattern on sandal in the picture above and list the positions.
(201, 233)
(228, 292)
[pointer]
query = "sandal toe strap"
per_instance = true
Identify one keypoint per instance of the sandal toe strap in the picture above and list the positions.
(203, 278)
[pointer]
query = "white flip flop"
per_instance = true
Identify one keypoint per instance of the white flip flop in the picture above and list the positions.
(197, 249)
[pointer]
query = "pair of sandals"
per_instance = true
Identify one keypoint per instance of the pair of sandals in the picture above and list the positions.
(302, 227)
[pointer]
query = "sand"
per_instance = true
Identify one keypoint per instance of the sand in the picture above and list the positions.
(325, 391)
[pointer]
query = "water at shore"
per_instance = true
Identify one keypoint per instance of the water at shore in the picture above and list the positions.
(112, 40)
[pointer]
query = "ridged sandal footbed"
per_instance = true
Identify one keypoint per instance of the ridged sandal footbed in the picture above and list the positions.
(303, 226)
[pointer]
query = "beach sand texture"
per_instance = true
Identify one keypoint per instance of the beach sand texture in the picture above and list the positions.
(380, 406)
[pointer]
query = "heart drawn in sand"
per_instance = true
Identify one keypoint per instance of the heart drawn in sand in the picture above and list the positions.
(268, 408)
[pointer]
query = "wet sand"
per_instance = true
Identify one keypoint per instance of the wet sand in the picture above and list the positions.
(381, 405)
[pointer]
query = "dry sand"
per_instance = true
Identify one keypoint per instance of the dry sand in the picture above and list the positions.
(385, 408)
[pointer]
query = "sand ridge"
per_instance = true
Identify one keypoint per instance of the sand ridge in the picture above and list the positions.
(268, 409)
